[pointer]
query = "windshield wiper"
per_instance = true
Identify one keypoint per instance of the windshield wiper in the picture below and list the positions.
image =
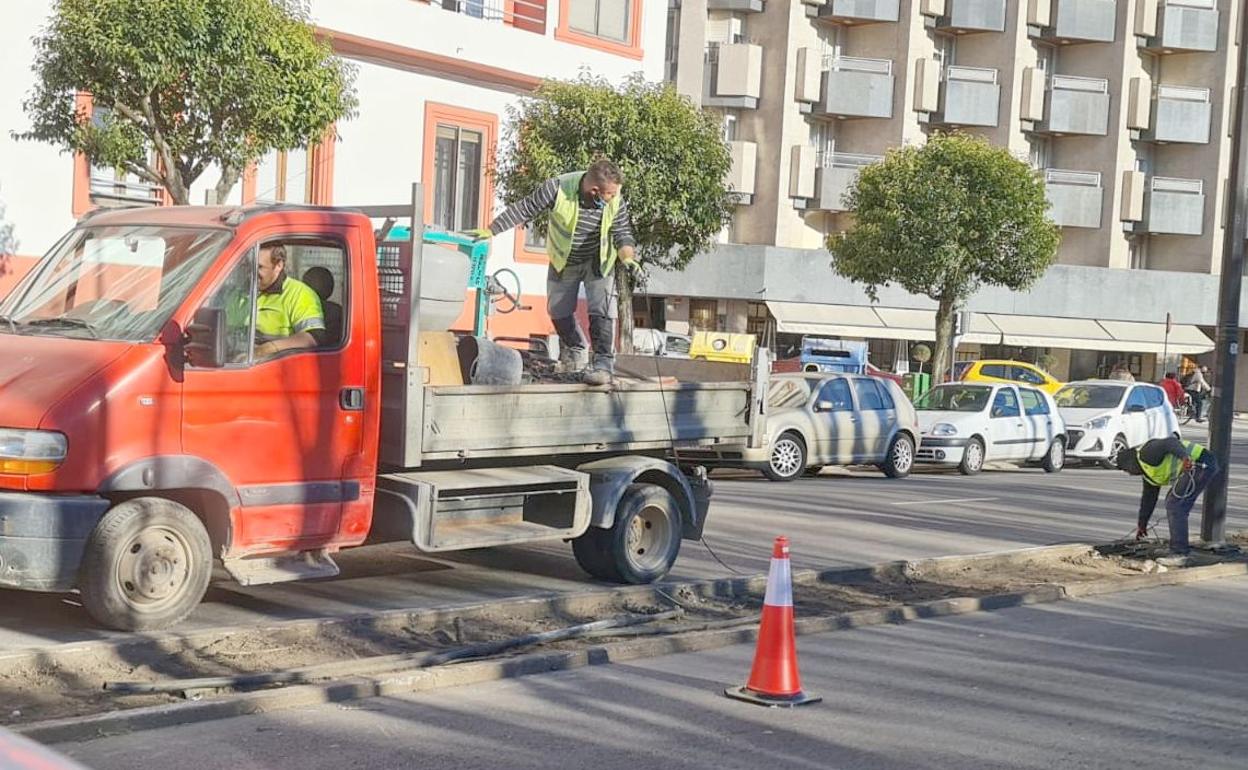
(75, 323)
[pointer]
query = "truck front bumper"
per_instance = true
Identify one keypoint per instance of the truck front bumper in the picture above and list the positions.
(43, 537)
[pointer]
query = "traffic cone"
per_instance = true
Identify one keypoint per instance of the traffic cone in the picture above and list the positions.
(774, 680)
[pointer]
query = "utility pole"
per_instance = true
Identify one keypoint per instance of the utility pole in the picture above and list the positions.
(1213, 523)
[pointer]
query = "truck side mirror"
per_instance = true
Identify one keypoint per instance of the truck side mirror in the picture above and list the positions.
(204, 341)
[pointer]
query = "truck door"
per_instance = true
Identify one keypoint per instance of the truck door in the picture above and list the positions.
(284, 428)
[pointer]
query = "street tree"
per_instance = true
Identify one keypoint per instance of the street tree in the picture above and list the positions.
(942, 220)
(672, 154)
(181, 86)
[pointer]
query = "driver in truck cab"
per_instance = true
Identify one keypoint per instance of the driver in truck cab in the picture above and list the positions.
(288, 311)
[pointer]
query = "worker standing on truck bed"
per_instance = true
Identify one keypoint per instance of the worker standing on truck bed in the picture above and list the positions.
(588, 228)
(1186, 467)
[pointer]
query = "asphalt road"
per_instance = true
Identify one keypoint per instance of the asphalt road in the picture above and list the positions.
(839, 518)
(1153, 679)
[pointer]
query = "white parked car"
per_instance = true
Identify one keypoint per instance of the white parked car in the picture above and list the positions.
(1106, 416)
(969, 424)
(815, 420)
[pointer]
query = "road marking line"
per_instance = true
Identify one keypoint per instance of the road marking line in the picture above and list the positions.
(951, 500)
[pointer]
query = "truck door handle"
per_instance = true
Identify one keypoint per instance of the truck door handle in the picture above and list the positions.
(351, 399)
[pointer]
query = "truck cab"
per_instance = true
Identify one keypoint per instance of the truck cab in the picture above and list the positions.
(145, 433)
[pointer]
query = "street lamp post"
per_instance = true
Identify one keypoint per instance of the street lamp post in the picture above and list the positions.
(1213, 523)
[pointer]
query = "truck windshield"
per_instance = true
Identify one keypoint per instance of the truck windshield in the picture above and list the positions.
(1090, 396)
(954, 398)
(111, 282)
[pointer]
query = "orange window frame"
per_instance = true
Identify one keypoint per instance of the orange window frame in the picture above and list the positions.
(475, 120)
(630, 49)
(526, 253)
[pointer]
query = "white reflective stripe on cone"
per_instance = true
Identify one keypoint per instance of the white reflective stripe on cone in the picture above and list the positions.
(779, 584)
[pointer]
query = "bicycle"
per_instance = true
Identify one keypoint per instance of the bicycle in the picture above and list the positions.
(1186, 409)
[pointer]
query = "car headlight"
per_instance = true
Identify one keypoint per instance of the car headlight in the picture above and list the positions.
(27, 452)
(1100, 423)
(943, 429)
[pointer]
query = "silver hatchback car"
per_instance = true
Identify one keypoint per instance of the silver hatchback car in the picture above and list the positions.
(817, 419)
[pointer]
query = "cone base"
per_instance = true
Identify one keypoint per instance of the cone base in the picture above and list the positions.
(774, 701)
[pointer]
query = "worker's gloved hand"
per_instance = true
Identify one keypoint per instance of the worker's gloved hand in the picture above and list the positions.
(1141, 533)
(1187, 463)
(632, 265)
(481, 233)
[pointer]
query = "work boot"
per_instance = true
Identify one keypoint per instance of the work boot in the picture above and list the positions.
(597, 377)
(1175, 560)
(572, 360)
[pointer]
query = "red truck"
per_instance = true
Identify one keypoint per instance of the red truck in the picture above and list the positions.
(142, 436)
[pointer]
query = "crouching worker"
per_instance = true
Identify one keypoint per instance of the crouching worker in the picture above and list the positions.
(1185, 467)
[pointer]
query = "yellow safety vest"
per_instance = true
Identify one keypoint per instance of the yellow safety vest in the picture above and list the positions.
(1165, 473)
(562, 226)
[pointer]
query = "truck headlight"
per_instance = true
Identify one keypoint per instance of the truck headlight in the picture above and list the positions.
(943, 429)
(1100, 423)
(27, 452)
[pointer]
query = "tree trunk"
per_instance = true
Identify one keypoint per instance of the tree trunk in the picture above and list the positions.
(624, 284)
(179, 193)
(946, 311)
(225, 185)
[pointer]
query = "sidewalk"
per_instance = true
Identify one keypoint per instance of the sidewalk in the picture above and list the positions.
(1153, 679)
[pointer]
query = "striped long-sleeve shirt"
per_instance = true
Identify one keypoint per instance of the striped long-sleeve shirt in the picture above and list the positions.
(588, 221)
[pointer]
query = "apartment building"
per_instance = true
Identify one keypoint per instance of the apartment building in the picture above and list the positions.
(1122, 105)
(435, 80)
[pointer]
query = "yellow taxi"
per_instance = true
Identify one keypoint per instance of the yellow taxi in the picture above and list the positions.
(1008, 371)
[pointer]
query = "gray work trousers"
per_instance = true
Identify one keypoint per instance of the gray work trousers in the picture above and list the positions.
(562, 293)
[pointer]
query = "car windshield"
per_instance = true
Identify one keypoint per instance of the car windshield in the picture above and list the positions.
(954, 398)
(678, 345)
(111, 282)
(1090, 396)
(788, 392)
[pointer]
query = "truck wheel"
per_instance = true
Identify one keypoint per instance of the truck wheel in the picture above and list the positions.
(900, 457)
(787, 460)
(146, 566)
(590, 550)
(644, 541)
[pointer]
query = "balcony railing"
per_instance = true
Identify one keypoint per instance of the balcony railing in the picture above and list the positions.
(1176, 206)
(860, 11)
(835, 173)
(1182, 114)
(1177, 25)
(523, 14)
(1077, 105)
(733, 75)
(964, 16)
(107, 189)
(857, 88)
(1076, 197)
(1073, 21)
(972, 97)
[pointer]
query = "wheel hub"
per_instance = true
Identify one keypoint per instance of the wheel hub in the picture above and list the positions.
(784, 458)
(902, 457)
(154, 566)
(648, 534)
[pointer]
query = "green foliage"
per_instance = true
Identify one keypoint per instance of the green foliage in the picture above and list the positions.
(181, 85)
(942, 220)
(672, 154)
(921, 353)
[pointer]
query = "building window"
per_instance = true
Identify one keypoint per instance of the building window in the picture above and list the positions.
(613, 26)
(457, 162)
(601, 18)
(529, 15)
(704, 315)
(111, 186)
(458, 146)
(757, 320)
(284, 176)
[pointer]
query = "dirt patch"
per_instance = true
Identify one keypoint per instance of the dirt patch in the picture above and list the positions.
(47, 686)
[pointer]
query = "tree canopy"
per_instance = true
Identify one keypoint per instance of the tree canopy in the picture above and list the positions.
(179, 86)
(942, 220)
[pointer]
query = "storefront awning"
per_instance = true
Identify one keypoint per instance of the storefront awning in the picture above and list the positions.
(871, 322)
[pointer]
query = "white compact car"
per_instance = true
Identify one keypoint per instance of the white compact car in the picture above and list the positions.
(1106, 416)
(969, 424)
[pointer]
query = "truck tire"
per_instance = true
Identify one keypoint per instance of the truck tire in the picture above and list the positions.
(146, 566)
(590, 550)
(787, 459)
(900, 457)
(643, 543)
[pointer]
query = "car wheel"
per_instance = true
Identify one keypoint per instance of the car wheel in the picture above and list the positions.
(972, 457)
(1055, 459)
(788, 458)
(1119, 444)
(900, 457)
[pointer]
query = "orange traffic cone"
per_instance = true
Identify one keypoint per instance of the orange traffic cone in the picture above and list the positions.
(774, 680)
